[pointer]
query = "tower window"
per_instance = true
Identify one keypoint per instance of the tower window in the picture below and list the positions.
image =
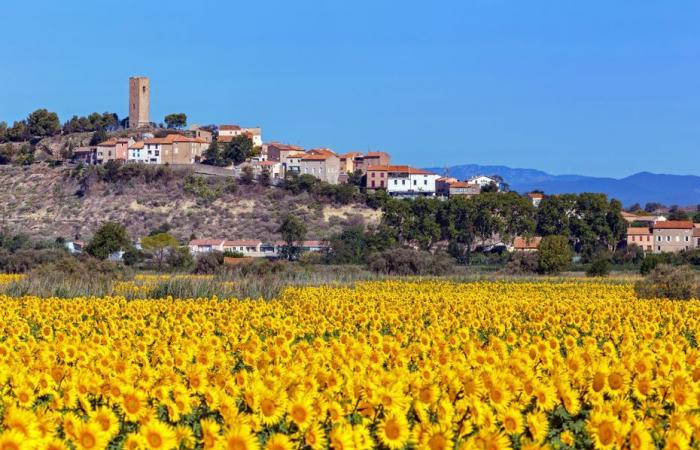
(143, 89)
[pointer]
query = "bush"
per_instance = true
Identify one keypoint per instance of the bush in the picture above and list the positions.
(521, 263)
(26, 259)
(650, 262)
(404, 261)
(600, 267)
(209, 263)
(630, 254)
(554, 254)
(666, 281)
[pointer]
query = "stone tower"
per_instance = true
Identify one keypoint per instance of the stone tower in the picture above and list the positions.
(139, 102)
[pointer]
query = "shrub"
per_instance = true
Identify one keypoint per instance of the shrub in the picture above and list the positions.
(404, 261)
(600, 267)
(209, 263)
(650, 262)
(554, 254)
(666, 281)
(521, 263)
(630, 254)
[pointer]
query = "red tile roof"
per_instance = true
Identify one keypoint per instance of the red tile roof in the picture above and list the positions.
(525, 243)
(229, 127)
(321, 151)
(535, 195)
(284, 147)
(673, 225)
(137, 145)
(376, 154)
(242, 243)
(637, 231)
(463, 184)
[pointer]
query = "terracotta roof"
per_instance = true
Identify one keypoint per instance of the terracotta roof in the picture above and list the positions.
(525, 243)
(84, 150)
(296, 155)
(137, 145)
(284, 147)
(242, 243)
(108, 143)
(637, 231)
(409, 170)
(673, 225)
(264, 163)
(463, 184)
(535, 195)
(157, 141)
(321, 151)
(350, 155)
(315, 157)
(206, 242)
(378, 168)
(229, 127)
(696, 231)
(376, 154)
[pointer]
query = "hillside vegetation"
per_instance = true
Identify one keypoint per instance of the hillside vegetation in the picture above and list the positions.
(49, 202)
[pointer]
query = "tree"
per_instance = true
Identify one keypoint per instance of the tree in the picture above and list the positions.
(238, 150)
(491, 187)
(350, 246)
(264, 178)
(159, 245)
(652, 207)
(247, 175)
(675, 213)
(43, 123)
(111, 237)
(176, 120)
(18, 132)
(554, 254)
(356, 178)
(98, 137)
(293, 232)
(180, 258)
(25, 155)
(7, 153)
(3, 131)
(212, 155)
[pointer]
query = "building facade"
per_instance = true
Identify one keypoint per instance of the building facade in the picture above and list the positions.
(325, 167)
(405, 181)
(228, 132)
(139, 102)
(641, 236)
(672, 236)
(112, 149)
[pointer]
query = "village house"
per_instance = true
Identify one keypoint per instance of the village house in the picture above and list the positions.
(526, 244)
(202, 133)
(252, 248)
(139, 154)
(535, 198)
(363, 162)
(179, 149)
(291, 163)
(377, 177)
(277, 151)
(672, 236)
(484, 181)
(696, 234)
(85, 155)
(408, 181)
(641, 236)
(448, 187)
(646, 219)
(113, 149)
(321, 163)
(228, 132)
(273, 168)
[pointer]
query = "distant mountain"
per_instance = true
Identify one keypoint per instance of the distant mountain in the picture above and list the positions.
(640, 188)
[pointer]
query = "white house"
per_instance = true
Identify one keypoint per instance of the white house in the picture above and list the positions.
(140, 152)
(407, 181)
(483, 180)
(228, 132)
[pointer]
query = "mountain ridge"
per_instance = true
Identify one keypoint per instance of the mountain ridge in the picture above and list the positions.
(640, 187)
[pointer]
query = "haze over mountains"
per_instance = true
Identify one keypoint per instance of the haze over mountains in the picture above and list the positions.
(640, 188)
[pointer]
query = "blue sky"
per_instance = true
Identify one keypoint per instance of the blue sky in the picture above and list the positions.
(597, 87)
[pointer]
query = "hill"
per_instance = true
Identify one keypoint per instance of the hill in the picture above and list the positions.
(47, 203)
(638, 188)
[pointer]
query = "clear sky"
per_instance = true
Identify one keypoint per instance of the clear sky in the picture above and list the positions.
(593, 87)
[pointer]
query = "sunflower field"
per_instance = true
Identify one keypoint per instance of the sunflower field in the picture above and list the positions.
(381, 365)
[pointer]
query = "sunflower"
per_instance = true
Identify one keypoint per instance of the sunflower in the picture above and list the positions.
(134, 404)
(315, 437)
(210, 433)
(158, 435)
(299, 410)
(271, 407)
(184, 436)
(50, 444)
(537, 425)
(108, 420)
(341, 438)
(604, 430)
(676, 440)
(22, 421)
(639, 438)
(240, 437)
(88, 435)
(393, 431)
(279, 441)
(512, 420)
(362, 438)
(435, 437)
(14, 440)
(567, 438)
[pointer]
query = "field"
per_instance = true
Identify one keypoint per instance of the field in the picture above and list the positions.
(386, 364)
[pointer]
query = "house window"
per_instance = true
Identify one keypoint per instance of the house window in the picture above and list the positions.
(373, 174)
(372, 183)
(633, 238)
(403, 182)
(396, 182)
(415, 182)
(687, 239)
(425, 182)
(658, 247)
(658, 238)
(648, 237)
(668, 238)
(381, 175)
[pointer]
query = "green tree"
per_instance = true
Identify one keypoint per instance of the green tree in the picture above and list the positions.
(491, 187)
(350, 246)
(554, 254)
(675, 213)
(180, 258)
(98, 137)
(176, 120)
(212, 155)
(356, 178)
(3, 131)
(111, 237)
(7, 154)
(264, 178)
(238, 150)
(247, 175)
(159, 246)
(18, 132)
(43, 123)
(293, 232)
